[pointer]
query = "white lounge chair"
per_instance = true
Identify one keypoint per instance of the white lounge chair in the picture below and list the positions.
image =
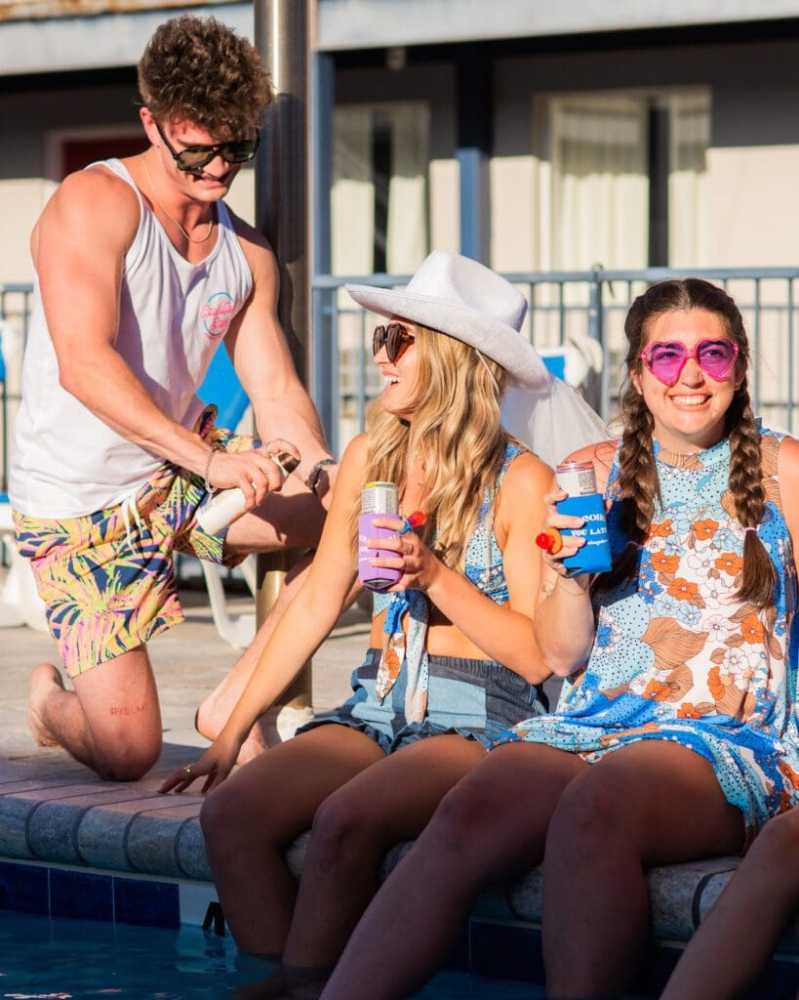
(20, 604)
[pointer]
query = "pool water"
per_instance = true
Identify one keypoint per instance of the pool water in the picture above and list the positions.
(50, 959)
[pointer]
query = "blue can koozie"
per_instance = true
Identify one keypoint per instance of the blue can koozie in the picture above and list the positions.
(579, 481)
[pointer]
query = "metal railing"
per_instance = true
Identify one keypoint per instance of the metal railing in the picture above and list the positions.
(563, 305)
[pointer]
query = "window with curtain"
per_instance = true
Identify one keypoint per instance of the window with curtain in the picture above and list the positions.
(379, 222)
(380, 213)
(621, 179)
(600, 183)
(689, 140)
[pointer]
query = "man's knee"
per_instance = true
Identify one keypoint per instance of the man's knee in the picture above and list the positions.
(127, 760)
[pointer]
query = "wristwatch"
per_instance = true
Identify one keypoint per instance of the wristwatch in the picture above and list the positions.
(314, 477)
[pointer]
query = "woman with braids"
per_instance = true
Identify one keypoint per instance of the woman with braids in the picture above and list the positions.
(675, 736)
(452, 659)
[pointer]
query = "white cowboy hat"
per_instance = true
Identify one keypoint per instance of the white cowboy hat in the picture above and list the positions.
(460, 297)
(466, 300)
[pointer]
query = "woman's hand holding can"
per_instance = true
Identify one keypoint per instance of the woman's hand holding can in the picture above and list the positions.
(556, 545)
(417, 564)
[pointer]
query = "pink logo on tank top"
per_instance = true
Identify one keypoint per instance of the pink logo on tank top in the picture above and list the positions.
(217, 313)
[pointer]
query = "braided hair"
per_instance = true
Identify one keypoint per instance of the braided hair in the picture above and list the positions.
(638, 487)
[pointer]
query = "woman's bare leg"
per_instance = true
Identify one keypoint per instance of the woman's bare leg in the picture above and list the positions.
(490, 826)
(390, 802)
(746, 923)
(648, 804)
(256, 813)
(216, 707)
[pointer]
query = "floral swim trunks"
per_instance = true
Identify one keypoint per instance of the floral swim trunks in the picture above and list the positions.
(108, 578)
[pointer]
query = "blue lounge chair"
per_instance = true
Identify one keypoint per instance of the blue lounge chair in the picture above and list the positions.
(221, 386)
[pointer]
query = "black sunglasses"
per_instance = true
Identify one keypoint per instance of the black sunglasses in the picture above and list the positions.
(194, 158)
(393, 337)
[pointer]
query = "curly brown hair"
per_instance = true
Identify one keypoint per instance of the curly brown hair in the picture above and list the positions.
(638, 485)
(196, 69)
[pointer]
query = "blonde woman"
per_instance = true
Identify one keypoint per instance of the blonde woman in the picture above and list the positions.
(452, 661)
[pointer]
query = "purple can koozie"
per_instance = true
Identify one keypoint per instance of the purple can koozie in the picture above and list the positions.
(375, 577)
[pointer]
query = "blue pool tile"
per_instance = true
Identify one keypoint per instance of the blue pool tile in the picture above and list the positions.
(80, 894)
(24, 888)
(150, 904)
(509, 951)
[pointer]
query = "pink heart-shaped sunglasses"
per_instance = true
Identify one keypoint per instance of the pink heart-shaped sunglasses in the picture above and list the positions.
(666, 359)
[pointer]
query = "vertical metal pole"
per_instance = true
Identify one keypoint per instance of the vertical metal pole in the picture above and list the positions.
(755, 352)
(281, 192)
(281, 210)
(596, 329)
(323, 345)
(475, 140)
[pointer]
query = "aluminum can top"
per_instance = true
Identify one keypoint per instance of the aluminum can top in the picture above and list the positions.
(379, 498)
(578, 479)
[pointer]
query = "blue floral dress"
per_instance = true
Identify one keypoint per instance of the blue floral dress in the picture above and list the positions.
(677, 656)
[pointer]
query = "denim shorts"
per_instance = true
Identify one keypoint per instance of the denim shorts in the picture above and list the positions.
(477, 699)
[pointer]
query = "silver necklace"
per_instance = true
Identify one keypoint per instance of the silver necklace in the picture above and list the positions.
(191, 239)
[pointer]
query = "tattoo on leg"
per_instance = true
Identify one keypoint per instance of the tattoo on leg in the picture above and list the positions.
(128, 709)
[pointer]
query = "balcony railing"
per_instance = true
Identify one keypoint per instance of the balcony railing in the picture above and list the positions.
(563, 306)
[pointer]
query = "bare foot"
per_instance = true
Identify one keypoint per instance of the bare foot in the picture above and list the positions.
(254, 745)
(204, 722)
(278, 724)
(207, 726)
(43, 679)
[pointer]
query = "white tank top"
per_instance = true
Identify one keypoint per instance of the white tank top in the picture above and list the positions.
(173, 316)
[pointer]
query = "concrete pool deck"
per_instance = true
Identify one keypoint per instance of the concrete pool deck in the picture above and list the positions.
(57, 816)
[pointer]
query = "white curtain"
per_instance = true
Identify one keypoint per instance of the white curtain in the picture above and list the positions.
(353, 230)
(689, 226)
(408, 238)
(352, 197)
(600, 182)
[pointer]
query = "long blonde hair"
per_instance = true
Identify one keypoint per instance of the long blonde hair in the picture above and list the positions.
(457, 433)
